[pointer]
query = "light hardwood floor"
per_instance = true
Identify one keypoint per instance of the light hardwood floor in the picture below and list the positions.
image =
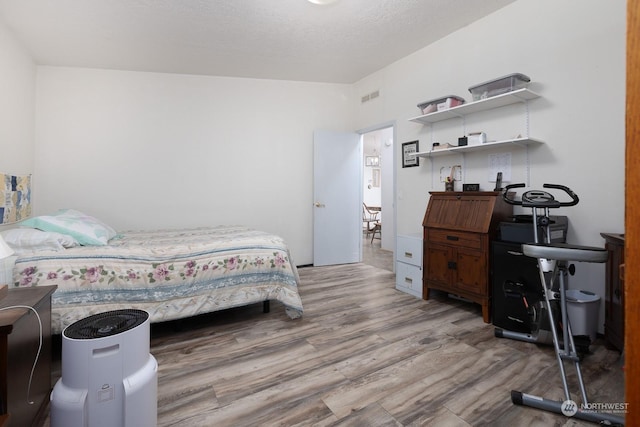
(363, 354)
(373, 254)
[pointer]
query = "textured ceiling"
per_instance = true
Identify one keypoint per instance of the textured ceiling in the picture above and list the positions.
(274, 39)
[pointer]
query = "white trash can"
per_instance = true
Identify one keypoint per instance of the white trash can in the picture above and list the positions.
(583, 308)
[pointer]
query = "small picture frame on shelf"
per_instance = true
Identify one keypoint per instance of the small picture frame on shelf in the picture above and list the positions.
(409, 159)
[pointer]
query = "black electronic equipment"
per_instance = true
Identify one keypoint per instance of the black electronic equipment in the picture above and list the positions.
(520, 229)
(516, 291)
(498, 182)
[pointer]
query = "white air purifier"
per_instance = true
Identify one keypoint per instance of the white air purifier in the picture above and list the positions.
(109, 378)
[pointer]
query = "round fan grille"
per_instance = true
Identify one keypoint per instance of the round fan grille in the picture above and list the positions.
(106, 324)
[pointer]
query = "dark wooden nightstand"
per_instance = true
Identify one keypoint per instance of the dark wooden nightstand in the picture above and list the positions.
(614, 291)
(19, 339)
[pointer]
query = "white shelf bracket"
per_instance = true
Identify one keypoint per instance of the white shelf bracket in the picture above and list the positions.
(527, 167)
(431, 166)
(527, 162)
(430, 135)
(463, 166)
(526, 118)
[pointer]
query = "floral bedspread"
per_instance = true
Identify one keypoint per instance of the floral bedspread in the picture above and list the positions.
(169, 273)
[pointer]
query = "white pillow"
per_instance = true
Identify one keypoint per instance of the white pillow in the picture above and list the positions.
(86, 229)
(25, 241)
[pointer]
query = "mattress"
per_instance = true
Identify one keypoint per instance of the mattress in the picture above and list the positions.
(169, 273)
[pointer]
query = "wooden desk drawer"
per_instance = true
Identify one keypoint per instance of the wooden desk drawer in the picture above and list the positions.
(456, 238)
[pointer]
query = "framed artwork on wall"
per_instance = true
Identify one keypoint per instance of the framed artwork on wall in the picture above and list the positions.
(372, 161)
(408, 154)
(15, 198)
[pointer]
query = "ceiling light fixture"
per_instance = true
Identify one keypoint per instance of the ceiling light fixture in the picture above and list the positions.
(322, 2)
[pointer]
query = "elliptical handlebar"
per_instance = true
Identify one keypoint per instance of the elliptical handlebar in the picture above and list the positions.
(540, 199)
(505, 194)
(574, 197)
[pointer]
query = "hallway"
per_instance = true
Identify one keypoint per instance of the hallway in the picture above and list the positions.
(374, 255)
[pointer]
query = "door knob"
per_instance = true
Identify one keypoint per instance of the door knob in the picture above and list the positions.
(318, 205)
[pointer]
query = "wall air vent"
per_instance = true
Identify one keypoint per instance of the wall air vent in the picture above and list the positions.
(369, 96)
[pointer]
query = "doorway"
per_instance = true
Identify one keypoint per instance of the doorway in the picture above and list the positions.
(338, 194)
(378, 192)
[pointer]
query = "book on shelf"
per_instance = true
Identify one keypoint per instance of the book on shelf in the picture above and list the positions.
(444, 146)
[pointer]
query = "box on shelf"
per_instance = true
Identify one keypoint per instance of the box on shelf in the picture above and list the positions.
(440, 104)
(499, 86)
(476, 138)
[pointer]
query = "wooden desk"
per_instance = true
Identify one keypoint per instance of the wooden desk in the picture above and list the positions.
(19, 338)
(458, 228)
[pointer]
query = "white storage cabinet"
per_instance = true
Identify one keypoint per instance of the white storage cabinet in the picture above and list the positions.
(409, 264)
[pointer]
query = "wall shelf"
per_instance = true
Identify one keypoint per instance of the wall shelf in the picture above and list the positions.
(447, 151)
(520, 95)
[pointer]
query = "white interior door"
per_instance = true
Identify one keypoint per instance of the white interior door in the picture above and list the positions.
(337, 192)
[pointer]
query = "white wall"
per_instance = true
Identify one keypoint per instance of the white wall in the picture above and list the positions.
(574, 51)
(147, 150)
(17, 105)
(17, 115)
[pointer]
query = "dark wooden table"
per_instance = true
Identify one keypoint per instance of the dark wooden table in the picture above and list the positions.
(26, 403)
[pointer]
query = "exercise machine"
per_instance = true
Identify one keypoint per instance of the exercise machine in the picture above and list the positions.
(527, 299)
(553, 265)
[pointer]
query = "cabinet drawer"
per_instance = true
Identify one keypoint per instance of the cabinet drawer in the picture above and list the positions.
(456, 238)
(409, 279)
(409, 250)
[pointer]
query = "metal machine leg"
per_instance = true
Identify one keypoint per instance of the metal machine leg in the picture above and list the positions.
(524, 399)
(568, 352)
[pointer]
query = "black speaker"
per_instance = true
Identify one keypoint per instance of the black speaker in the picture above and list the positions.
(516, 288)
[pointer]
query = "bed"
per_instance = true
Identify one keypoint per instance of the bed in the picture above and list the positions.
(171, 274)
